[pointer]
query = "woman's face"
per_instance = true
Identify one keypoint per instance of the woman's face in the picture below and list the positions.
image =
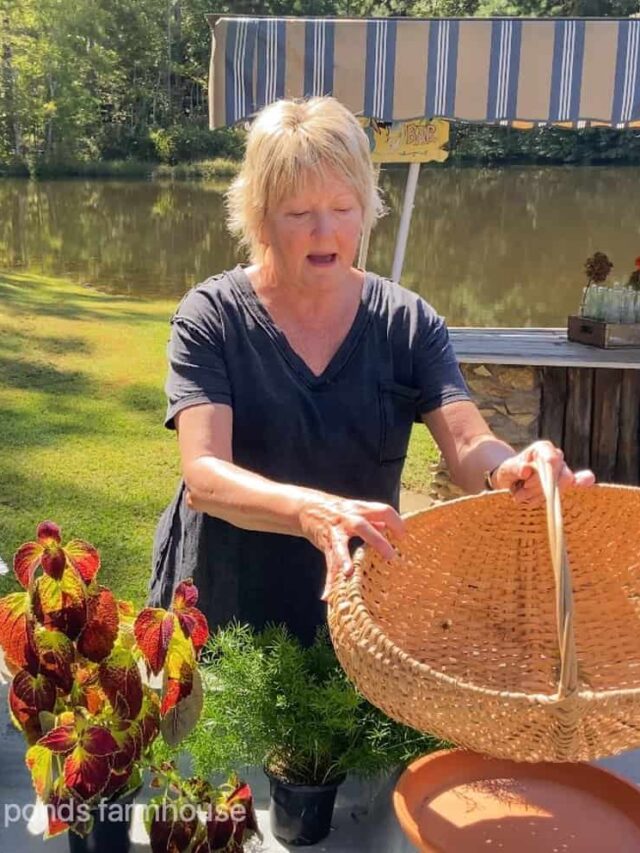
(312, 236)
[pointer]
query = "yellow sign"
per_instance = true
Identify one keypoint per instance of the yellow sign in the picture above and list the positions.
(413, 141)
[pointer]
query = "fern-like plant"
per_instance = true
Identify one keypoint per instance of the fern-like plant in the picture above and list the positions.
(270, 701)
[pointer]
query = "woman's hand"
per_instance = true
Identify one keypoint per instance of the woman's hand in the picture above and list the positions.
(519, 474)
(329, 522)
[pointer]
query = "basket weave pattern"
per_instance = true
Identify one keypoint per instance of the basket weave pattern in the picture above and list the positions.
(501, 630)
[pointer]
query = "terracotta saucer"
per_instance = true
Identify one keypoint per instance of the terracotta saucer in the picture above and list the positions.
(456, 801)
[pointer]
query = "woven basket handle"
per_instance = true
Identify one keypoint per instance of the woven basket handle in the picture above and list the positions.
(568, 681)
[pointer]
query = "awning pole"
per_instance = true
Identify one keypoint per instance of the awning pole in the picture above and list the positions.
(405, 221)
(366, 234)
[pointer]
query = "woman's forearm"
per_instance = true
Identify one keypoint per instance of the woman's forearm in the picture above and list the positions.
(482, 454)
(244, 498)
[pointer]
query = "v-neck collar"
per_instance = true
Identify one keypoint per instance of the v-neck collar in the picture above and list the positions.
(339, 359)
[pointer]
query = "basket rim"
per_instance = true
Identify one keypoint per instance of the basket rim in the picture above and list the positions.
(351, 589)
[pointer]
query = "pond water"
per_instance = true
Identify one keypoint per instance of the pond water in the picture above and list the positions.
(501, 247)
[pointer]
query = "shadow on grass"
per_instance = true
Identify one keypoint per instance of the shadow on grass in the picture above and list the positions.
(27, 375)
(18, 296)
(14, 341)
(144, 399)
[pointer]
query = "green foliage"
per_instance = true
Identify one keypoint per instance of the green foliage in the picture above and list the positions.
(94, 80)
(188, 142)
(270, 701)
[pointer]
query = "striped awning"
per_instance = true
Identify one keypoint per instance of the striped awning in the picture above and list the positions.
(518, 71)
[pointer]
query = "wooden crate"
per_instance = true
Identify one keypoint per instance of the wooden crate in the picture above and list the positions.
(597, 333)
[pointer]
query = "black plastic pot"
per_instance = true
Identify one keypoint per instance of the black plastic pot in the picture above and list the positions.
(301, 814)
(108, 835)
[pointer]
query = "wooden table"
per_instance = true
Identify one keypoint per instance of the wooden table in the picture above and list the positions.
(590, 400)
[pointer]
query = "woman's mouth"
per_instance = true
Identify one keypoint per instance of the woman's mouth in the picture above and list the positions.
(322, 260)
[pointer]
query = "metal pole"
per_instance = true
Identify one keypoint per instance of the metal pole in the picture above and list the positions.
(366, 234)
(405, 221)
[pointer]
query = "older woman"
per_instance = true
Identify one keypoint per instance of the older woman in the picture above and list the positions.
(294, 383)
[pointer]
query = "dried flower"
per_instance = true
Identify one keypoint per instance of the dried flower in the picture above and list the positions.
(597, 268)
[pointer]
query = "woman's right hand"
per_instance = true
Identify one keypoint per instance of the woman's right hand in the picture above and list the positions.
(329, 522)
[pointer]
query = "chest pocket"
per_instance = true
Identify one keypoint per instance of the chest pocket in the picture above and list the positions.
(397, 413)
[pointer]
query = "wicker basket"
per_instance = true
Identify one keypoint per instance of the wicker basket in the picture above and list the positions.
(481, 633)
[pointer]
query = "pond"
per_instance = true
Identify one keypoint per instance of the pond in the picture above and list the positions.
(487, 247)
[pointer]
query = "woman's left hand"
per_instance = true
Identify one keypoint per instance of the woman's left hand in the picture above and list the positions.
(519, 473)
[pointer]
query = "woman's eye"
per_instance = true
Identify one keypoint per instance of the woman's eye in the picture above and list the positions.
(343, 209)
(298, 213)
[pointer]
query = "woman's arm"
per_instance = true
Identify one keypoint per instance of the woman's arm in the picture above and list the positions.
(218, 487)
(470, 449)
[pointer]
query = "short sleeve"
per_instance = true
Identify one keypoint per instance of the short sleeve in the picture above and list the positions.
(436, 370)
(197, 370)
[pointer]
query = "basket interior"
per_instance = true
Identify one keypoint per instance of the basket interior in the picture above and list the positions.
(473, 593)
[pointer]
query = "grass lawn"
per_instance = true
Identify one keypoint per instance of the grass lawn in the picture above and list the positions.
(81, 409)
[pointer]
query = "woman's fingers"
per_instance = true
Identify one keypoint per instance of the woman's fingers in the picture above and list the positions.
(338, 555)
(381, 514)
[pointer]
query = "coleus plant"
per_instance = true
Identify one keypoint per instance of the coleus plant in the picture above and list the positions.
(80, 662)
(192, 815)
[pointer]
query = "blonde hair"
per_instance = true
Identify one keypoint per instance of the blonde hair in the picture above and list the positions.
(290, 141)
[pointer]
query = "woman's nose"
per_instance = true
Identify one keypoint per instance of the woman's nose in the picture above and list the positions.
(322, 223)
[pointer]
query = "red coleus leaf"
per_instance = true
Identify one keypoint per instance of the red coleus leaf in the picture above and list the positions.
(46, 552)
(179, 666)
(26, 560)
(84, 558)
(58, 805)
(14, 611)
(245, 820)
(53, 560)
(220, 830)
(194, 625)
(60, 740)
(87, 690)
(97, 740)
(127, 735)
(171, 836)
(185, 595)
(86, 774)
(117, 780)
(61, 604)
(40, 761)
(101, 628)
(192, 621)
(149, 717)
(32, 693)
(56, 654)
(120, 679)
(28, 696)
(153, 630)
(48, 530)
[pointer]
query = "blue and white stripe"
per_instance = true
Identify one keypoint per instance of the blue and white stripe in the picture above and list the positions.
(380, 69)
(504, 67)
(271, 61)
(239, 58)
(626, 100)
(566, 82)
(442, 68)
(318, 57)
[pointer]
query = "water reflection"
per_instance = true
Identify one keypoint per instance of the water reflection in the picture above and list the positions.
(487, 247)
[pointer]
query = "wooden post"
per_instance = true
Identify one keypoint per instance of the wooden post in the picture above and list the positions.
(553, 404)
(606, 420)
(577, 431)
(628, 461)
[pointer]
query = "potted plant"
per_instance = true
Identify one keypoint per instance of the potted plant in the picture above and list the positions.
(193, 815)
(80, 661)
(270, 702)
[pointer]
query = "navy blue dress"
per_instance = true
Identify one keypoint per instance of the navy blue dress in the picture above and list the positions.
(345, 432)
